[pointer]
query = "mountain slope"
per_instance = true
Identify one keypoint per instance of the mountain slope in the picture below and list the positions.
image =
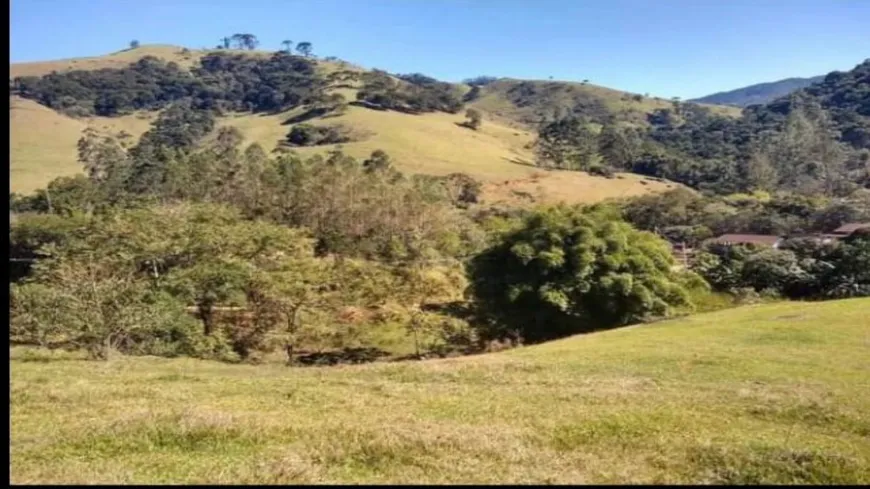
(431, 143)
(766, 394)
(761, 93)
(527, 102)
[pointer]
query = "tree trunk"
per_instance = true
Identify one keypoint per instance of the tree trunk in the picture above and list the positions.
(207, 315)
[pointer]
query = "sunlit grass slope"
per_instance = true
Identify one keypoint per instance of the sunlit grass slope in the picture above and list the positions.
(775, 393)
(436, 144)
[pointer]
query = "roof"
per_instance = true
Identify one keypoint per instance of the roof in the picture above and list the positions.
(759, 239)
(851, 227)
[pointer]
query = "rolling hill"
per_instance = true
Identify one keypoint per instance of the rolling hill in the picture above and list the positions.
(766, 394)
(431, 143)
(760, 93)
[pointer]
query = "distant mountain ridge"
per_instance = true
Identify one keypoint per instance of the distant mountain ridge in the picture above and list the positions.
(760, 93)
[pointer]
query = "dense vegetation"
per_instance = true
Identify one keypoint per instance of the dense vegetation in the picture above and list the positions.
(413, 93)
(816, 140)
(222, 81)
(275, 252)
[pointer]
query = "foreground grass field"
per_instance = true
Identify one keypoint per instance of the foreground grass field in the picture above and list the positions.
(765, 394)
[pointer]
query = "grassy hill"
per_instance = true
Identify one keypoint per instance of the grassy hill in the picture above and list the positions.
(43, 142)
(526, 102)
(760, 93)
(775, 393)
(431, 143)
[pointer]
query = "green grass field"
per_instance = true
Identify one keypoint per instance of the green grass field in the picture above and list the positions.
(775, 393)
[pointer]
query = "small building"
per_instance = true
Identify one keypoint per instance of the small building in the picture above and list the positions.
(848, 229)
(762, 240)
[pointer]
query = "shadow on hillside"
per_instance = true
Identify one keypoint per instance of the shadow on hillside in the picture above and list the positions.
(519, 161)
(306, 116)
(369, 105)
(465, 125)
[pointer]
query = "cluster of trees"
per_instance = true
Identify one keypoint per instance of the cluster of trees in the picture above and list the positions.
(299, 255)
(125, 279)
(222, 81)
(556, 100)
(413, 93)
(797, 269)
(310, 135)
(687, 217)
(571, 143)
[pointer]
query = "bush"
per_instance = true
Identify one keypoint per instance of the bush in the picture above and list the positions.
(569, 270)
(310, 135)
(601, 171)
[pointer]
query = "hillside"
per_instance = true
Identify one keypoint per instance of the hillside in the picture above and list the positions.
(760, 93)
(771, 394)
(43, 142)
(429, 143)
(527, 102)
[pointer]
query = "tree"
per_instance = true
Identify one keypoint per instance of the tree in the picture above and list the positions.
(134, 44)
(615, 148)
(245, 41)
(565, 143)
(225, 42)
(288, 46)
(473, 119)
(569, 270)
(304, 48)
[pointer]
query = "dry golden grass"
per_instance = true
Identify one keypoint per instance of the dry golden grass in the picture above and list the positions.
(435, 144)
(769, 394)
(43, 142)
(42, 145)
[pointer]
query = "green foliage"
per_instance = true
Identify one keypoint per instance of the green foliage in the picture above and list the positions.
(309, 135)
(95, 306)
(419, 94)
(682, 215)
(800, 269)
(222, 81)
(566, 144)
(568, 270)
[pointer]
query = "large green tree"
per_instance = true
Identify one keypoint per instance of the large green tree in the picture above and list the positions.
(569, 270)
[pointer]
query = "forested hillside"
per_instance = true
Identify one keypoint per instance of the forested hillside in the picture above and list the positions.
(816, 140)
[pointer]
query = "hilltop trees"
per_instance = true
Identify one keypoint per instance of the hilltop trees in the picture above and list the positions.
(304, 48)
(288, 46)
(245, 41)
(222, 81)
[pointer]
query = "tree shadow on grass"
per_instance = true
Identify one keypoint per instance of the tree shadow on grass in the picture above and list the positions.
(344, 356)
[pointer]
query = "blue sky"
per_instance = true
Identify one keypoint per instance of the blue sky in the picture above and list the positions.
(685, 48)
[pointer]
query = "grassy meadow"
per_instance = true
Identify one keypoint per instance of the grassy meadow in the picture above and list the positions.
(774, 393)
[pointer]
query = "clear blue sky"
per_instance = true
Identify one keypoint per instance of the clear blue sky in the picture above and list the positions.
(685, 48)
